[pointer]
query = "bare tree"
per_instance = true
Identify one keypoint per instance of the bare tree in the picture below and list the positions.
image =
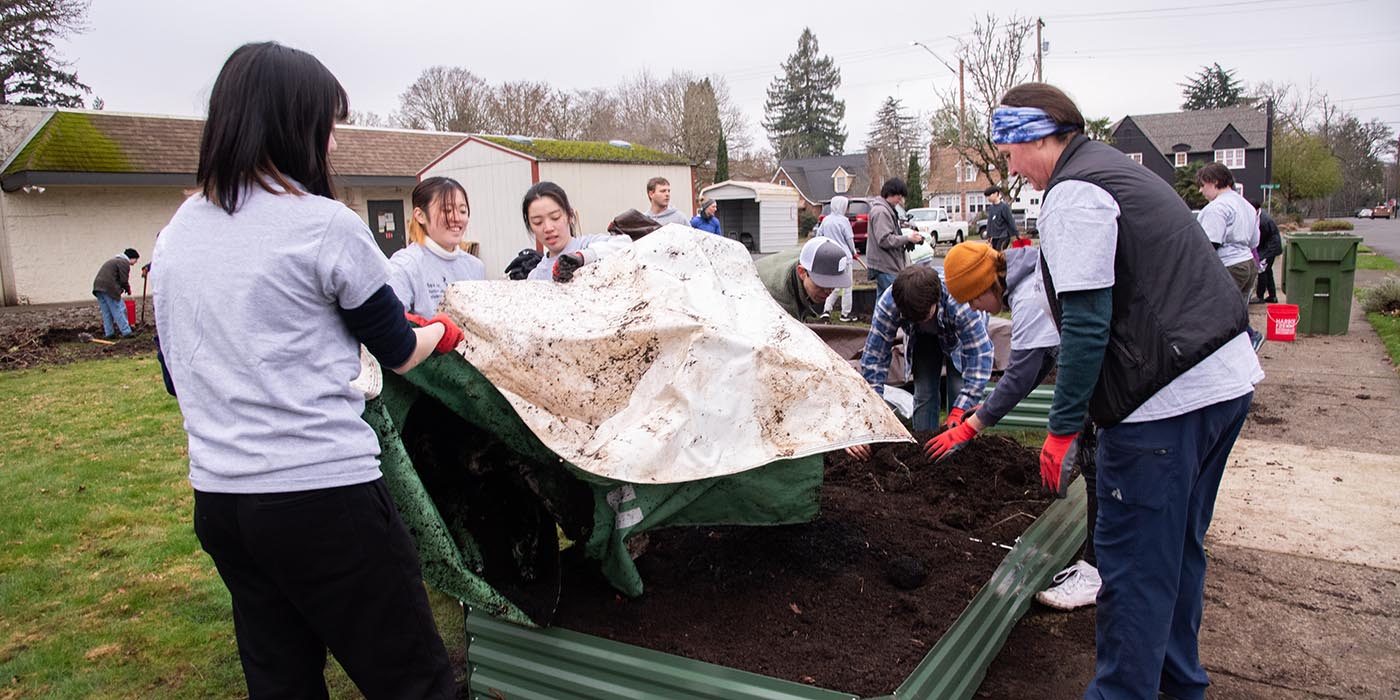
(996, 61)
(700, 128)
(527, 108)
(359, 118)
(446, 98)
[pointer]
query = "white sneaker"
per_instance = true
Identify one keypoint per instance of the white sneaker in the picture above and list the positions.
(826, 316)
(1074, 587)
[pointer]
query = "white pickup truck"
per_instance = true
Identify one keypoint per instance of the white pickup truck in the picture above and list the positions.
(936, 224)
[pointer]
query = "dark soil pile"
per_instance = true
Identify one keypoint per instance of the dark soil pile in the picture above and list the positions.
(851, 601)
(48, 334)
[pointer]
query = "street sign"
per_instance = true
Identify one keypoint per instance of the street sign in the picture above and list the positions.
(1268, 187)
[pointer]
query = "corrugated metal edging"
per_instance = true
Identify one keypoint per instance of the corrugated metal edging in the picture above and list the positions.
(509, 662)
(1032, 412)
(955, 667)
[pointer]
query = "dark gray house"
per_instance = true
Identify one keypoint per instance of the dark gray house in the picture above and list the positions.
(1239, 137)
(821, 178)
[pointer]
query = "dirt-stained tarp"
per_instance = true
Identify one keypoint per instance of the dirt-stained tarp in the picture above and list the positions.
(665, 363)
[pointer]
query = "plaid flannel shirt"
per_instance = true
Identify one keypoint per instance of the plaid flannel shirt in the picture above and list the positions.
(961, 330)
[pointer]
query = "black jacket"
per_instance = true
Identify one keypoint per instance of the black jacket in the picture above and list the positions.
(1174, 304)
(1000, 221)
(114, 277)
(1270, 242)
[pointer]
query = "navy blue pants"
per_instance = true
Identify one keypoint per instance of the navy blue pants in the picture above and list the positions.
(1156, 485)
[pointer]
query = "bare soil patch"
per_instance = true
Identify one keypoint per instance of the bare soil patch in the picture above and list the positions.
(851, 601)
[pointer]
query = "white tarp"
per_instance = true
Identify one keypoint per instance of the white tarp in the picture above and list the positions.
(666, 363)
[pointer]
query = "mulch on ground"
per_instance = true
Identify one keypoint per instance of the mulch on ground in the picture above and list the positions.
(851, 601)
(52, 335)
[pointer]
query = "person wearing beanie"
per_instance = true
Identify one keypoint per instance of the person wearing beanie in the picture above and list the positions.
(114, 279)
(706, 219)
(800, 280)
(992, 281)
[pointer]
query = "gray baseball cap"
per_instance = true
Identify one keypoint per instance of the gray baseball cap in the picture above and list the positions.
(826, 263)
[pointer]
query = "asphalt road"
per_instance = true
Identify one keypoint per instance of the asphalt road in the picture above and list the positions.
(1380, 235)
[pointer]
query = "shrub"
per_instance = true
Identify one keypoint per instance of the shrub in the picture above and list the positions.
(1383, 298)
(1332, 225)
(806, 221)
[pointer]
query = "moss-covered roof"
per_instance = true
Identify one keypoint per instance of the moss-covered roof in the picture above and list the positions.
(94, 142)
(69, 142)
(588, 151)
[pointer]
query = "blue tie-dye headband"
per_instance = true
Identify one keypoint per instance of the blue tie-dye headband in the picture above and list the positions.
(1023, 125)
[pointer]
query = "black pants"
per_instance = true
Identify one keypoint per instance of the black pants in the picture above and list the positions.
(1000, 243)
(331, 568)
(1264, 288)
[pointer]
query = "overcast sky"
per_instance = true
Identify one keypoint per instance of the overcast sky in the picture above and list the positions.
(1115, 58)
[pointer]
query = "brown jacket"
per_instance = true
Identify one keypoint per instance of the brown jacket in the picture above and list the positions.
(884, 244)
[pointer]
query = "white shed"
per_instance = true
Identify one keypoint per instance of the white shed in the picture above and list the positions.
(601, 179)
(761, 215)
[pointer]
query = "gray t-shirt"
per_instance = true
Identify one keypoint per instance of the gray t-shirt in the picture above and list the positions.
(1079, 238)
(247, 310)
(420, 278)
(1231, 223)
(669, 215)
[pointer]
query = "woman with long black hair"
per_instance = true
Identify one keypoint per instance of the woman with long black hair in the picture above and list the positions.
(267, 288)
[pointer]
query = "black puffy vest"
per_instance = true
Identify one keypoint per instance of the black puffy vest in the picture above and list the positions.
(1174, 304)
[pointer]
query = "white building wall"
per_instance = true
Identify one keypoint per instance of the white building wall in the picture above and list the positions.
(58, 239)
(52, 243)
(496, 182)
(777, 225)
(601, 191)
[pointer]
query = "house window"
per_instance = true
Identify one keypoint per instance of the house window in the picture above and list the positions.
(1136, 157)
(841, 183)
(1181, 160)
(964, 172)
(1232, 158)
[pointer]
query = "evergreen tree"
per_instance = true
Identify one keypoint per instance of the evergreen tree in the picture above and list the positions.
(802, 115)
(31, 73)
(914, 180)
(700, 126)
(1185, 185)
(892, 135)
(1212, 88)
(722, 158)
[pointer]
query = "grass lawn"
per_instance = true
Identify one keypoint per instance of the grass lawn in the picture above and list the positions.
(1388, 328)
(1367, 259)
(104, 589)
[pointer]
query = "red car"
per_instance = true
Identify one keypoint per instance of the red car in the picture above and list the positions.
(858, 213)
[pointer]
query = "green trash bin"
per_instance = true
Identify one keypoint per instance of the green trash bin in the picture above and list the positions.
(1319, 274)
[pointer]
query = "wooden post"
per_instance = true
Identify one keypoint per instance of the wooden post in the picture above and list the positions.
(1039, 57)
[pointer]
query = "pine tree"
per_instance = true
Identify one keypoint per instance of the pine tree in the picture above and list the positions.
(1212, 88)
(31, 72)
(892, 134)
(722, 158)
(700, 126)
(914, 181)
(802, 115)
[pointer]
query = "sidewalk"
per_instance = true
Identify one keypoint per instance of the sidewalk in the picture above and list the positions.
(1302, 594)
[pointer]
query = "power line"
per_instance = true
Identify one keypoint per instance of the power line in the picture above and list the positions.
(1368, 97)
(1195, 11)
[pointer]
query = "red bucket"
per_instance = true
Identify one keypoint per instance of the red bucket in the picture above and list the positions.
(1283, 322)
(130, 312)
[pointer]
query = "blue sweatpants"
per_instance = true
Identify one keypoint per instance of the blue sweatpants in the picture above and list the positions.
(1156, 486)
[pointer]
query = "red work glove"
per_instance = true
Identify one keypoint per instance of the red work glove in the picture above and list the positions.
(1057, 461)
(565, 265)
(955, 418)
(451, 334)
(950, 440)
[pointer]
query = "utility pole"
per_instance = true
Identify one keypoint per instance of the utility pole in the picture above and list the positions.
(1039, 53)
(962, 138)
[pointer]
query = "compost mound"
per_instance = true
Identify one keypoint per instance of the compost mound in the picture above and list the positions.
(851, 601)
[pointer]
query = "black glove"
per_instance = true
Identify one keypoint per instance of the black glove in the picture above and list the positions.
(525, 261)
(565, 265)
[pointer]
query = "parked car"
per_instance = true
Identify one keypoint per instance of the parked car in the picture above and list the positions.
(858, 213)
(1382, 211)
(1364, 213)
(936, 224)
